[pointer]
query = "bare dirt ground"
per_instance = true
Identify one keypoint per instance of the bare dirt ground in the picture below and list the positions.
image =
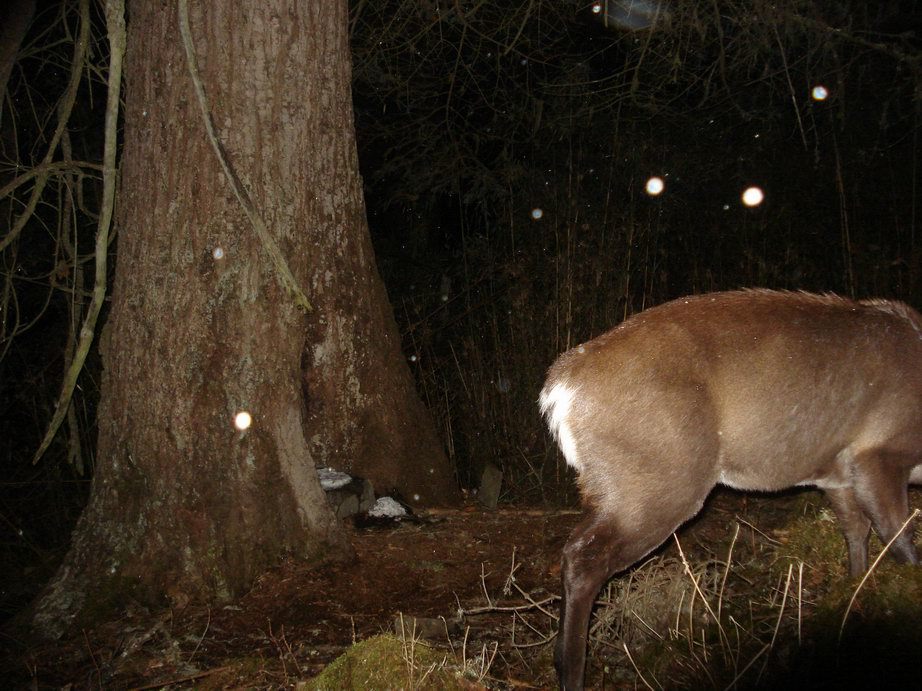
(297, 618)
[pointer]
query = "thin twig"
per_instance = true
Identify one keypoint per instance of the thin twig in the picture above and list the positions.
(81, 45)
(694, 581)
(511, 608)
(784, 600)
(746, 668)
(636, 669)
(162, 684)
(756, 530)
(201, 638)
(871, 570)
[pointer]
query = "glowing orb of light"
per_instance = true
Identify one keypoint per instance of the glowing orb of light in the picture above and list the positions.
(753, 196)
(536, 214)
(655, 186)
(218, 253)
(597, 8)
(819, 93)
(243, 420)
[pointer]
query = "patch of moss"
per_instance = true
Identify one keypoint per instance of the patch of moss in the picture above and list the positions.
(389, 662)
(816, 540)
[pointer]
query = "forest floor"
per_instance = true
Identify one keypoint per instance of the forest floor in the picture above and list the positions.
(500, 568)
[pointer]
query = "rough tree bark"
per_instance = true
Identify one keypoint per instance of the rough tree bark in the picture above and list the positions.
(201, 327)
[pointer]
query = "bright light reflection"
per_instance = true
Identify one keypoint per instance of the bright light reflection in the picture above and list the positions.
(753, 196)
(243, 420)
(654, 186)
(819, 93)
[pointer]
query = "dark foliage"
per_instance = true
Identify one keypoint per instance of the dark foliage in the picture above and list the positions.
(472, 117)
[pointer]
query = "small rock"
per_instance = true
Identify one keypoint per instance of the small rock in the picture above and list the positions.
(387, 507)
(491, 481)
(347, 498)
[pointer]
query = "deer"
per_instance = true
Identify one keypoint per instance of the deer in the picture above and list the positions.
(757, 390)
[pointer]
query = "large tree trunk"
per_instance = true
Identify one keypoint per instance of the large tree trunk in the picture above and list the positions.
(183, 504)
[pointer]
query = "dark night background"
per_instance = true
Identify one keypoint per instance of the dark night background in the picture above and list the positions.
(470, 116)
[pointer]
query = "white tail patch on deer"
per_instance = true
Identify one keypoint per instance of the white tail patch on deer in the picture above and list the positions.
(556, 402)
